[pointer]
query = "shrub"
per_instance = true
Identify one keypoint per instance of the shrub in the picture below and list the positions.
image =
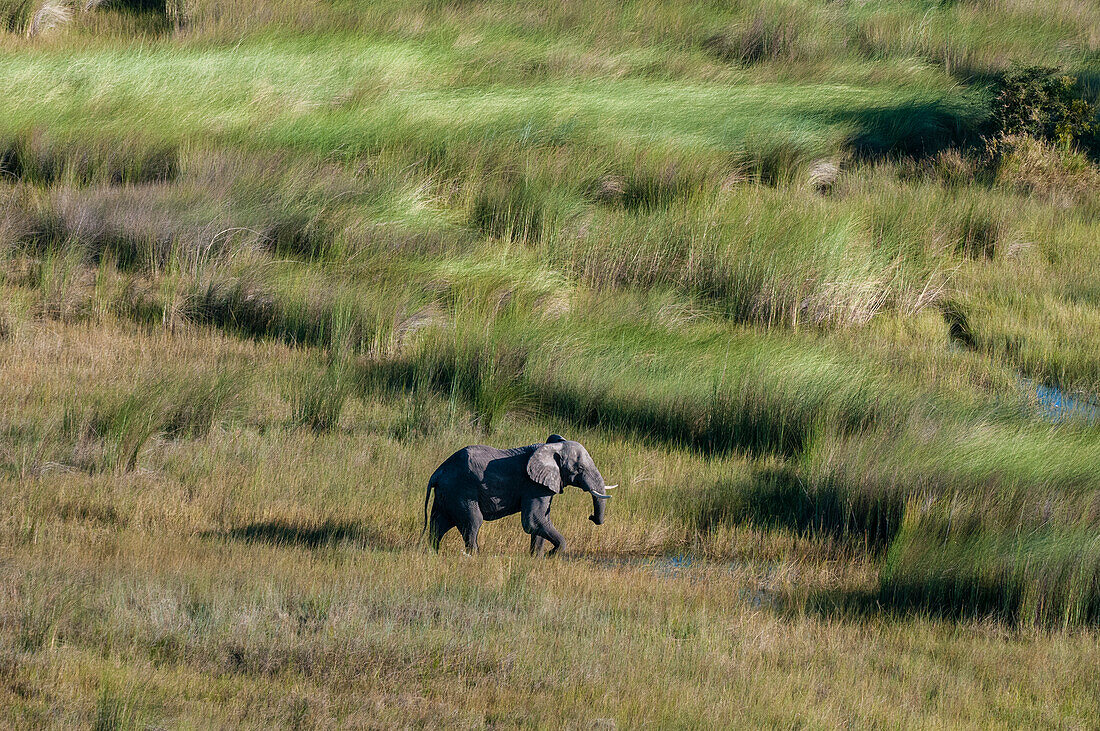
(1041, 102)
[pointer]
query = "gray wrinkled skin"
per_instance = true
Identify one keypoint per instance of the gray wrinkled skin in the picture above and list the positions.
(482, 483)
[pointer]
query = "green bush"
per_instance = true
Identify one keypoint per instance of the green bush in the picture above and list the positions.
(1043, 103)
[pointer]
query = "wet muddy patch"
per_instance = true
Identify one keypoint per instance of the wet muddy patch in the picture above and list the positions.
(684, 567)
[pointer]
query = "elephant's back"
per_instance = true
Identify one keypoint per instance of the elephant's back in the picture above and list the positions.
(468, 462)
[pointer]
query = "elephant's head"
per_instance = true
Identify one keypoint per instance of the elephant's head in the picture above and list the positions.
(561, 462)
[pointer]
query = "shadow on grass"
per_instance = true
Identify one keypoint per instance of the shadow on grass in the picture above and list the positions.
(286, 534)
(513, 212)
(717, 428)
(39, 160)
(914, 129)
(780, 499)
(986, 602)
(250, 310)
(720, 426)
(1047, 597)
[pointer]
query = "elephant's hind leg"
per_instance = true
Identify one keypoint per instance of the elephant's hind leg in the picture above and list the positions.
(469, 532)
(438, 525)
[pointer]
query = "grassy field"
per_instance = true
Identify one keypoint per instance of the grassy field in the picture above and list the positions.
(265, 265)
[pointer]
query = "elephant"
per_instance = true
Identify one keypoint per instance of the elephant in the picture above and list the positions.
(480, 483)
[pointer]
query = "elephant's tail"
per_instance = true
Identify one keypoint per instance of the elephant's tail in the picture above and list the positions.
(427, 497)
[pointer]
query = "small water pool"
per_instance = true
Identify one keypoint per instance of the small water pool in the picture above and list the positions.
(1056, 405)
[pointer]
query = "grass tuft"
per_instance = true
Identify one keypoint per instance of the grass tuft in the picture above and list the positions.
(114, 425)
(44, 160)
(1031, 167)
(770, 36)
(511, 212)
(318, 395)
(198, 405)
(116, 709)
(114, 428)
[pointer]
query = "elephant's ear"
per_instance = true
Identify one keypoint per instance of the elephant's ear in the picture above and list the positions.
(555, 438)
(544, 469)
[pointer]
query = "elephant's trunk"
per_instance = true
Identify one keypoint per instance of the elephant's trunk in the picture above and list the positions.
(599, 503)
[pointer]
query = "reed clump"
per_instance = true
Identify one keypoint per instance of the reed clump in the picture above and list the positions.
(1037, 578)
(112, 427)
(317, 396)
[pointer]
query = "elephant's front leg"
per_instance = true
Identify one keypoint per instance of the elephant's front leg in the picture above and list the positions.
(535, 514)
(537, 540)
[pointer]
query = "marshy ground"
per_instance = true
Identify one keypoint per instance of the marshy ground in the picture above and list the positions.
(799, 275)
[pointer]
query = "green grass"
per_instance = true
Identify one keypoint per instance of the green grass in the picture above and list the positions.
(1041, 577)
(309, 94)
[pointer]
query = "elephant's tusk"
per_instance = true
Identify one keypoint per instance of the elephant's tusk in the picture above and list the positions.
(602, 497)
(609, 487)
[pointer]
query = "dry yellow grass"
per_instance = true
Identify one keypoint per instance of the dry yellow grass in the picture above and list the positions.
(267, 575)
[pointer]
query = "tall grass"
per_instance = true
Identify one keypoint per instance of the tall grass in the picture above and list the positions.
(1045, 577)
(199, 404)
(317, 397)
(113, 426)
(120, 425)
